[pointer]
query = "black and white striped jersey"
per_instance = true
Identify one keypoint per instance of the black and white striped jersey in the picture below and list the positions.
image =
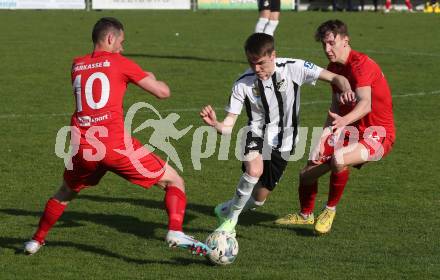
(272, 106)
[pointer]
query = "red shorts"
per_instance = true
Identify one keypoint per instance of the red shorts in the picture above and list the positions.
(372, 147)
(145, 171)
(377, 147)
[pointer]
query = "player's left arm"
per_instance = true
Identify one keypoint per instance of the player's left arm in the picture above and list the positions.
(362, 108)
(337, 80)
(157, 88)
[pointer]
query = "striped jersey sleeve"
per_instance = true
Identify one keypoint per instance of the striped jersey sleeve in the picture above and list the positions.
(238, 94)
(236, 100)
(305, 72)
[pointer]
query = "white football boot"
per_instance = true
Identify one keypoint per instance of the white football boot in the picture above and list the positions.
(181, 240)
(32, 246)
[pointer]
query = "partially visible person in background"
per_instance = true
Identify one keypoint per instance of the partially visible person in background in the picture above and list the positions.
(269, 14)
(432, 7)
(362, 3)
(349, 6)
(388, 6)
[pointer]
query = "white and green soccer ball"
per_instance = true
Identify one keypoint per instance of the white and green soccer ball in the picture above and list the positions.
(224, 248)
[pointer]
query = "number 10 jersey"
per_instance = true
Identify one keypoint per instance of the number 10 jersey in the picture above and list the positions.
(99, 83)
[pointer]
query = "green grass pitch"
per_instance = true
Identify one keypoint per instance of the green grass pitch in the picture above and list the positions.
(388, 221)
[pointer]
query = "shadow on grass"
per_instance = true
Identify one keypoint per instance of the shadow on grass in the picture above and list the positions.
(185, 57)
(251, 217)
(122, 223)
(248, 218)
(152, 204)
(17, 245)
(297, 230)
(132, 225)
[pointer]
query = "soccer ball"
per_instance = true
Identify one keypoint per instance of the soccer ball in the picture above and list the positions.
(224, 248)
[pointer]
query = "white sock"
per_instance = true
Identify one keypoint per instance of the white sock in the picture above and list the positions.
(305, 216)
(226, 206)
(242, 195)
(331, 208)
(174, 233)
(270, 27)
(252, 204)
(261, 24)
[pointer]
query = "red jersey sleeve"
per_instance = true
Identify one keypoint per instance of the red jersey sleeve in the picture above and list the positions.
(74, 62)
(131, 71)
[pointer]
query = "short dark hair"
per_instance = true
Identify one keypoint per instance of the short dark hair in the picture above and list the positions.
(104, 26)
(334, 26)
(259, 45)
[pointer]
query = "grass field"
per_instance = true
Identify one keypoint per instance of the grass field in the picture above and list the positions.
(388, 221)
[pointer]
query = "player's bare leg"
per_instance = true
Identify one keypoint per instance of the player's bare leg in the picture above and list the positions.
(259, 196)
(263, 20)
(272, 24)
(353, 154)
(312, 172)
(54, 209)
(275, 15)
(175, 203)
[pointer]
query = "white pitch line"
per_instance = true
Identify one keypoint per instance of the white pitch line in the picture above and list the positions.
(395, 52)
(11, 116)
(417, 94)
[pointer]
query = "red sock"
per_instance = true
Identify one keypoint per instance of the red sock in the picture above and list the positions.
(175, 203)
(53, 211)
(307, 195)
(408, 4)
(337, 185)
(387, 4)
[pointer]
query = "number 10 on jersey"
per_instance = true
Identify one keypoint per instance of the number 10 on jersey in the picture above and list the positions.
(88, 90)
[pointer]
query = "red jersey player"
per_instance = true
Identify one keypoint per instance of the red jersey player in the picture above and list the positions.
(358, 129)
(99, 82)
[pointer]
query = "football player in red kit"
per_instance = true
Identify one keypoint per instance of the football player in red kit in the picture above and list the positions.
(359, 128)
(101, 144)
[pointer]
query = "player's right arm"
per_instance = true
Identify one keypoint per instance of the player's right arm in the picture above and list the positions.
(362, 108)
(233, 109)
(157, 88)
(225, 127)
(147, 81)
